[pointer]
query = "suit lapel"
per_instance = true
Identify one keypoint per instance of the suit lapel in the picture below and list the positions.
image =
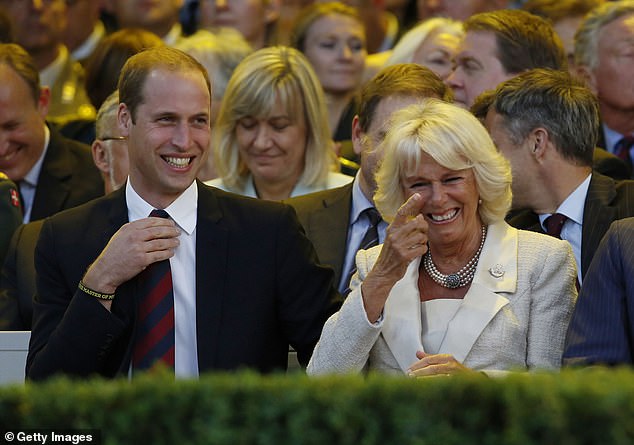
(328, 227)
(212, 246)
(598, 214)
(402, 326)
(52, 185)
(496, 272)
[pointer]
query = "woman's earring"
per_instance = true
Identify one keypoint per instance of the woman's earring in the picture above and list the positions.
(480, 201)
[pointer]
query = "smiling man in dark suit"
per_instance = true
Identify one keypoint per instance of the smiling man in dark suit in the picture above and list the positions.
(336, 220)
(245, 279)
(546, 123)
(53, 173)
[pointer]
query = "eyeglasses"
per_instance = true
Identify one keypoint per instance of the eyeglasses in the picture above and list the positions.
(113, 138)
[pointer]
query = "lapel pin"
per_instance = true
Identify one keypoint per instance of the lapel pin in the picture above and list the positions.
(497, 271)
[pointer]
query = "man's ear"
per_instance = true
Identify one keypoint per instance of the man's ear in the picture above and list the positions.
(539, 141)
(100, 157)
(357, 136)
(124, 119)
(43, 101)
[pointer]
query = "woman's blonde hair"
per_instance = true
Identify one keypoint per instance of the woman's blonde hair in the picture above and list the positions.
(455, 139)
(407, 45)
(263, 77)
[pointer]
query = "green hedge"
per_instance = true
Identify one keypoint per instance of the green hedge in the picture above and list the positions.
(574, 407)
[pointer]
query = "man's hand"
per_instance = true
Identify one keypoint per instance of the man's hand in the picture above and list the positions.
(135, 246)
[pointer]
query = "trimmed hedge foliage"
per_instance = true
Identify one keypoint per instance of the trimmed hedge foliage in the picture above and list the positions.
(573, 407)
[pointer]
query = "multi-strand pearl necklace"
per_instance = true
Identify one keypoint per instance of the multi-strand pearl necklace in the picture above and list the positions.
(457, 279)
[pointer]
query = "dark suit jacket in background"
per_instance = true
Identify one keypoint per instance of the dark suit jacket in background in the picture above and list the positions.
(325, 216)
(68, 177)
(610, 165)
(607, 200)
(258, 289)
(17, 280)
(602, 327)
(10, 214)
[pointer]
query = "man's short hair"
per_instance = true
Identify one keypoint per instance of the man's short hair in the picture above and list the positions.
(20, 61)
(139, 66)
(553, 100)
(587, 36)
(107, 112)
(524, 41)
(406, 79)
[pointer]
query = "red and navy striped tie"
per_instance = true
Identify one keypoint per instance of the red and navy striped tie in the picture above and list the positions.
(155, 315)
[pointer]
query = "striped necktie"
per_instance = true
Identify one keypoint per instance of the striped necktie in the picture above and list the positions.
(554, 223)
(155, 314)
(370, 239)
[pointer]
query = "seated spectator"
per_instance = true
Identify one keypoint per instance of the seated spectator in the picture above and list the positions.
(499, 45)
(604, 45)
(546, 123)
(220, 53)
(17, 280)
(453, 288)
(39, 28)
(566, 16)
(52, 173)
(332, 37)
(602, 327)
(255, 19)
(102, 73)
(84, 29)
(98, 309)
(432, 43)
(457, 9)
(160, 17)
(271, 139)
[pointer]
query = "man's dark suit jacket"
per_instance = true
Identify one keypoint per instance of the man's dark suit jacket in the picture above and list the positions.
(607, 200)
(68, 177)
(10, 214)
(258, 289)
(17, 280)
(325, 216)
(602, 327)
(610, 165)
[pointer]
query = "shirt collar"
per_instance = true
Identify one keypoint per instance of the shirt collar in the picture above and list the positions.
(32, 176)
(573, 205)
(173, 35)
(611, 138)
(86, 48)
(359, 200)
(49, 75)
(183, 210)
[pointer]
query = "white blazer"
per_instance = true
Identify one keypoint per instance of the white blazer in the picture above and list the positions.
(513, 317)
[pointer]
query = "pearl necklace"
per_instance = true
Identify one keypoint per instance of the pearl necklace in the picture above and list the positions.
(457, 279)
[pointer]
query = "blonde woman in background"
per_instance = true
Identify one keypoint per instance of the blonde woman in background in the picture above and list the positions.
(332, 37)
(432, 43)
(272, 139)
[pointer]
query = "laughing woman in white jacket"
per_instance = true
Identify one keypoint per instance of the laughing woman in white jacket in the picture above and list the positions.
(453, 288)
